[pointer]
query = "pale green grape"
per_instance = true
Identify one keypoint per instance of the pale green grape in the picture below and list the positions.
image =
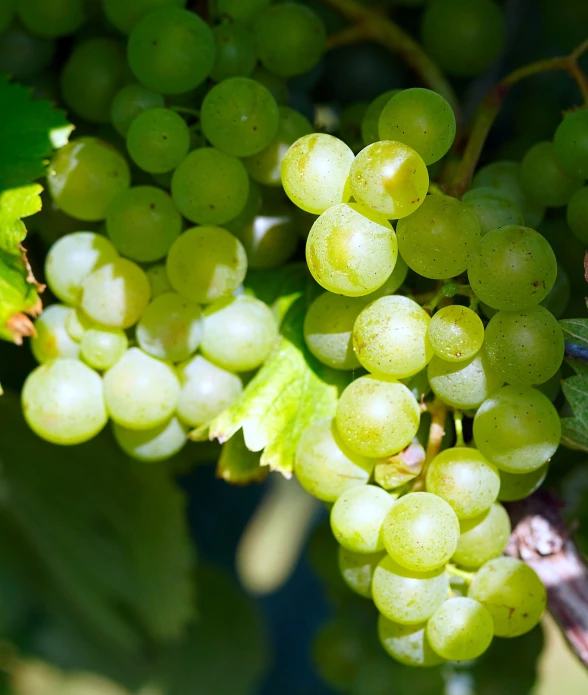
(376, 417)
(544, 180)
(76, 324)
(517, 486)
(51, 18)
(390, 337)
(239, 333)
(207, 390)
(357, 517)
(371, 117)
(155, 444)
(513, 594)
(63, 402)
(390, 178)
(85, 176)
(405, 596)
(351, 250)
(158, 280)
(357, 569)
(456, 333)
(439, 239)
(482, 538)
(571, 143)
(140, 391)
(393, 283)
(158, 139)
(577, 214)
(129, 102)
(315, 172)
(52, 339)
(236, 53)
(124, 14)
(492, 208)
(407, 644)
(210, 187)
(461, 629)
(206, 263)
(102, 347)
(517, 428)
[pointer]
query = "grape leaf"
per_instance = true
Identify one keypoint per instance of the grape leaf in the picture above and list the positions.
(575, 429)
(575, 333)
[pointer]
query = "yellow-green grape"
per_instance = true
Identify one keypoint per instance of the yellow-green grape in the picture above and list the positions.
(517, 486)
(158, 139)
(577, 214)
(513, 594)
(124, 14)
(405, 596)
(351, 250)
(357, 570)
(53, 339)
(493, 209)
(377, 417)
(421, 532)
(389, 178)
(129, 102)
(158, 280)
(543, 179)
(325, 466)
(315, 172)
(463, 477)
(407, 644)
(390, 337)
(357, 517)
(482, 538)
(236, 54)
(156, 444)
(101, 347)
(461, 629)
(456, 333)
(77, 323)
(393, 283)
(371, 117)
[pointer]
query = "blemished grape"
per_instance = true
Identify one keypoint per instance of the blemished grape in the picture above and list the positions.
(357, 569)
(143, 223)
(171, 50)
(158, 280)
(155, 444)
(315, 172)
(421, 532)
(85, 176)
(116, 294)
(52, 339)
(393, 283)
(390, 178)
(129, 102)
(207, 390)
(405, 596)
(101, 347)
(577, 214)
(461, 629)
(544, 180)
(206, 263)
(124, 14)
(51, 19)
(482, 538)
(357, 517)
(236, 53)
(571, 143)
(421, 119)
(407, 644)
(492, 208)
(517, 428)
(377, 417)
(158, 139)
(513, 268)
(63, 402)
(371, 117)
(210, 187)
(239, 116)
(390, 337)
(512, 593)
(456, 333)
(239, 333)
(351, 250)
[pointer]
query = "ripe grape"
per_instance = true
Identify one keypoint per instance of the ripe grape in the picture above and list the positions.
(357, 569)
(52, 339)
(577, 214)
(129, 102)
(155, 444)
(393, 283)
(371, 117)
(158, 280)
(51, 19)
(461, 629)
(571, 144)
(456, 333)
(102, 347)
(77, 323)
(493, 209)
(158, 139)
(553, 186)
(124, 14)
(517, 486)
(482, 538)
(236, 54)
(407, 644)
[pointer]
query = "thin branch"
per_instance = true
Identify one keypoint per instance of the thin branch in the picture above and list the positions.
(439, 412)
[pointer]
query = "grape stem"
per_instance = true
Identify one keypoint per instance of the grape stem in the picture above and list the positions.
(458, 420)
(439, 412)
(462, 574)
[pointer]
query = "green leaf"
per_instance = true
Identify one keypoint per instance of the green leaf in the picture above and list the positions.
(15, 204)
(575, 429)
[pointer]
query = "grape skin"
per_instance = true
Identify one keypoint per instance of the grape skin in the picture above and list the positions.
(461, 629)
(492, 208)
(455, 333)
(53, 339)
(152, 445)
(158, 139)
(101, 347)
(129, 102)
(407, 644)
(371, 117)
(482, 538)
(517, 486)
(357, 570)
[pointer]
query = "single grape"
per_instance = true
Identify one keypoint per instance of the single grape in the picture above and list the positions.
(236, 53)
(407, 644)
(102, 347)
(158, 280)
(77, 323)
(357, 569)
(456, 333)
(577, 214)
(571, 144)
(51, 19)
(158, 139)
(371, 118)
(461, 629)
(124, 14)
(492, 208)
(517, 486)
(129, 102)
(155, 444)
(482, 538)
(52, 339)
(544, 180)
(393, 283)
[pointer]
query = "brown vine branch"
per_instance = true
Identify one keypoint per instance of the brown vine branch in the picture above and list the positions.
(439, 412)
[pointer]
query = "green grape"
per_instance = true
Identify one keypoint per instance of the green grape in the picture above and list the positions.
(207, 390)
(171, 50)
(328, 328)
(544, 180)
(512, 593)
(351, 250)
(461, 629)
(376, 417)
(76, 324)
(524, 348)
(239, 333)
(393, 283)
(421, 532)
(242, 10)
(155, 444)
(371, 118)
(482, 538)
(517, 428)
(52, 18)
(129, 102)
(465, 479)
(102, 347)
(158, 139)
(517, 486)
(577, 214)
(277, 86)
(158, 280)
(239, 116)
(492, 208)
(390, 178)
(390, 337)
(7, 10)
(571, 144)
(421, 119)
(463, 385)
(552, 387)
(143, 223)
(315, 172)
(24, 55)
(52, 339)
(124, 14)
(252, 208)
(140, 391)
(236, 53)
(513, 268)
(456, 333)
(407, 597)
(72, 259)
(63, 402)
(116, 294)
(357, 569)
(407, 644)
(463, 37)
(206, 263)
(85, 176)
(210, 187)
(357, 517)
(325, 466)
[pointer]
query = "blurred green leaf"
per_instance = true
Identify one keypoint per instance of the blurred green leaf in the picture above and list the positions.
(575, 429)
